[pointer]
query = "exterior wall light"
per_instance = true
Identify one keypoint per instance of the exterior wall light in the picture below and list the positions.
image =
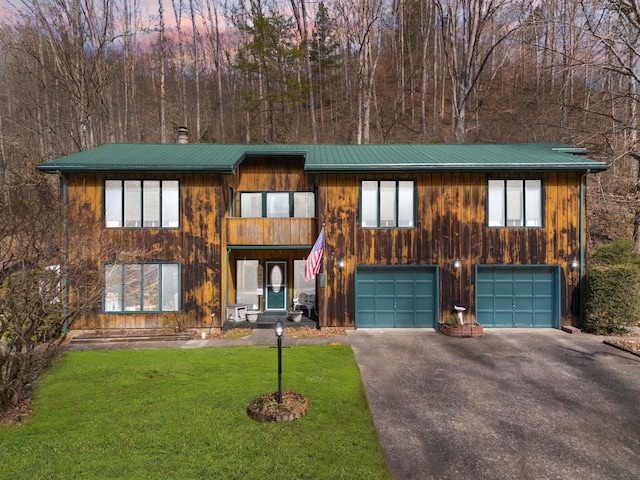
(341, 263)
(574, 264)
(456, 265)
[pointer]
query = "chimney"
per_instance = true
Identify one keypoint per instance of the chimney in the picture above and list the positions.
(183, 135)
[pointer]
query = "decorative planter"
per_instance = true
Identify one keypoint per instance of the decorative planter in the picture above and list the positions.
(474, 330)
(295, 316)
(252, 316)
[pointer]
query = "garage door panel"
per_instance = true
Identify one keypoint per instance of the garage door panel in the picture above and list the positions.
(383, 286)
(523, 319)
(503, 319)
(403, 297)
(521, 288)
(367, 289)
(405, 319)
(503, 303)
(405, 304)
(523, 304)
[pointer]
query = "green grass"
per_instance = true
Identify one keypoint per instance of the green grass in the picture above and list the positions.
(181, 414)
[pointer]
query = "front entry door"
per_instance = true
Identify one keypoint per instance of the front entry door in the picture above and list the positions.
(276, 283)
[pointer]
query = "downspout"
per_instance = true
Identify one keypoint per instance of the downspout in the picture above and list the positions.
(581, 285)
(226, 294)
(65, 250)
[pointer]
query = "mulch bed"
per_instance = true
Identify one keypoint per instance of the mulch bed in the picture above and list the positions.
(628, 345)
(266, 408)
(17, 414)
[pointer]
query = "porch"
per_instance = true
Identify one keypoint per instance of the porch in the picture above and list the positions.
(268, 321)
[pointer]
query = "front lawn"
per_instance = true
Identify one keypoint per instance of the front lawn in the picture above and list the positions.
(166, 413)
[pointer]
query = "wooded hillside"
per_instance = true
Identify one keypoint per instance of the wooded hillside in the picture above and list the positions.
(75, 74)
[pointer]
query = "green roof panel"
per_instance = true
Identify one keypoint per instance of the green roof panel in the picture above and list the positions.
(326, 158)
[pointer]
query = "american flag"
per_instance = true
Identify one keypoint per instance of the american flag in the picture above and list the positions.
(314, 260)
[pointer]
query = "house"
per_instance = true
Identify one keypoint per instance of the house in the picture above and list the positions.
(410, 230)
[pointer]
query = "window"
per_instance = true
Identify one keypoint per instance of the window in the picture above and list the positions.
(514, 203)
(299, 283)
(142, 287)
(387, 204)
(248, 288)
(277, 205)
(141, 203)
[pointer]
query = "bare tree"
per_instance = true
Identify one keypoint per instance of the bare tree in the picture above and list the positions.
(300, 13)
(617, 28)
(466, 28)
(163, 94)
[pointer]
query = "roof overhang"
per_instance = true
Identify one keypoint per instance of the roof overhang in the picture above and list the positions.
(225, 159)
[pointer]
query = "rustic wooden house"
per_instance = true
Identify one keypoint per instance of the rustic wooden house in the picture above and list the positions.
(410, 230)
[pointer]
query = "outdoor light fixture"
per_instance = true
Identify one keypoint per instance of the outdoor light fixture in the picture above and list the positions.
(457, 265)
(574, 264)
(341, 263)
(279, 331)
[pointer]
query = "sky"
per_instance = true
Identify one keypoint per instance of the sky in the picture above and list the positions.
(4, 10)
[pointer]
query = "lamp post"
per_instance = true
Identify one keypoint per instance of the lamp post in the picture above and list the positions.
(279, 332)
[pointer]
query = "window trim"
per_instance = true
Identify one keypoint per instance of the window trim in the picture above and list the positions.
(141, 204)
(265, 207)
(398, 206)
(523, 199)
(123, 294)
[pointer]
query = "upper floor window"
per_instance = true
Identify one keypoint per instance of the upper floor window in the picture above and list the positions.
(142, 203)
(142, 287)
(277, 204)
(514, 203)
(387, 203)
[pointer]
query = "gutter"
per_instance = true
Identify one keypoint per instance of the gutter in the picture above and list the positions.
(458, 167)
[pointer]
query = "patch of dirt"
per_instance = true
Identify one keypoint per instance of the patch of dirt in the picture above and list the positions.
(306, 332)
(18, 414)
(631, 345)
(233, 333)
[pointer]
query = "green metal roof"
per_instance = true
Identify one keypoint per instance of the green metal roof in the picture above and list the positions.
(327, 158)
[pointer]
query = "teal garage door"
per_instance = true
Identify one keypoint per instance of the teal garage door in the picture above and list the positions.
(396, 297)
(517, 296)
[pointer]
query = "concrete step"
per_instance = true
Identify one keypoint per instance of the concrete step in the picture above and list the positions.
(131, 337)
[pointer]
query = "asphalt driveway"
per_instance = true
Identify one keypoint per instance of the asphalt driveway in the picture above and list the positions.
(514, 404)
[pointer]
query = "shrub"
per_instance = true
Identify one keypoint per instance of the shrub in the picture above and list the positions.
(613, 304)
(451, 320)
(618, 252)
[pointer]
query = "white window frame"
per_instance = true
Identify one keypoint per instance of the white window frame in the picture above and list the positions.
(387, 204)
(149, 204)
(515, 203)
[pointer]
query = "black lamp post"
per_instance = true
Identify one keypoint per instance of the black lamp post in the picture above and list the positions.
(279, 332)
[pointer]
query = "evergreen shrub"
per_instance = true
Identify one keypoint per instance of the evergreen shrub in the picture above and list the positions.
(613, 304)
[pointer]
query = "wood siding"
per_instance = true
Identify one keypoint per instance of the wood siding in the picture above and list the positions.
(451, 223)
(270, 231)
(196, 245)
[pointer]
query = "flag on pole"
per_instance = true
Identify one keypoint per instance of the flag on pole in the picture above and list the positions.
(314, 260)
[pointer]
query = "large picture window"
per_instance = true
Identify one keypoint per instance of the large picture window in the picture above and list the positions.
(142, 203)
(514, 203)
(387, 204)
(277, 205)
(142, 287)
